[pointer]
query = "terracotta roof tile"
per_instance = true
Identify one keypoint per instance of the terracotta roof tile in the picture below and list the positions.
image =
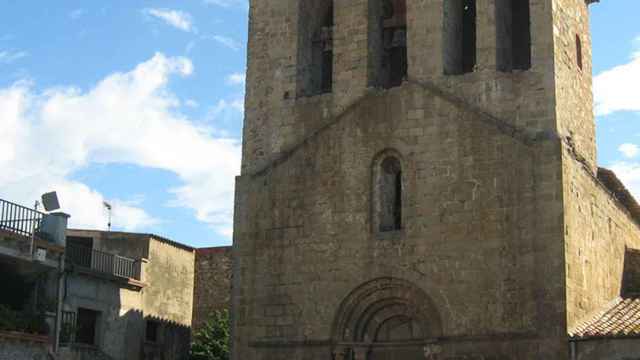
(621, 317)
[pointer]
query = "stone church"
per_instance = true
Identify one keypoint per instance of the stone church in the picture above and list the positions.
(419, 181)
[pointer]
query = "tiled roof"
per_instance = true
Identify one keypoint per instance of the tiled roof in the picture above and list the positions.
(620, 318)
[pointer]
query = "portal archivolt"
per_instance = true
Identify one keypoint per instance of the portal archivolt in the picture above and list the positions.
(386, 318)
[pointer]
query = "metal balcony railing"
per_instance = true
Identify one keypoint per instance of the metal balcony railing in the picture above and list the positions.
(68, 331)
(103, 262)
(19, 219)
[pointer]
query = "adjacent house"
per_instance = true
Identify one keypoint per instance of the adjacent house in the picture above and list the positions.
(127, 295)
(74, 294)
(31, 267)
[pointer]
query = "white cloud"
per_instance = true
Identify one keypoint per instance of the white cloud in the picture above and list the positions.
(629, 150)
(191, 103)
(85, 207)
(226, 41)
(228, 3)
(236, 79)
(223, 108)
(127, 118)
(176, 18)
(190, 46)
(77, 14)
(9, 57)
(617, 89)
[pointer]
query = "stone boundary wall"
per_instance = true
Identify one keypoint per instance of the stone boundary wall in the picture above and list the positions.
(212, 288)
(19, 346)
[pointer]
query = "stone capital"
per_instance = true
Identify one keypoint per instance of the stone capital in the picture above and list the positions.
(361, 353)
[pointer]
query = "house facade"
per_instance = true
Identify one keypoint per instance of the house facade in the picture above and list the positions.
(127, 296)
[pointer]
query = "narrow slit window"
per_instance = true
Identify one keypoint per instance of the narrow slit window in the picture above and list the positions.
(513, 30)
(387, 42)
(459, 32)
(579, 51)
(315, 48)
(390, 195)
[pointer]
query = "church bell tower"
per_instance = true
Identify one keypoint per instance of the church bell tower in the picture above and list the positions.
(401, 193)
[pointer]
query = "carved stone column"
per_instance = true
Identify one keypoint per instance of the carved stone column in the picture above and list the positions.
(432, 352)
(361, 353)
(340, 353)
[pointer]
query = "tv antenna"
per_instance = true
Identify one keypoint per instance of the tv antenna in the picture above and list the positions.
(108, 207)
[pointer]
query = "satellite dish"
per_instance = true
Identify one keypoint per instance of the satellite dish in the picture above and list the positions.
(50, 201)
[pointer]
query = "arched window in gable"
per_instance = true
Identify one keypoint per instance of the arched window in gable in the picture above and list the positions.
(388, 194)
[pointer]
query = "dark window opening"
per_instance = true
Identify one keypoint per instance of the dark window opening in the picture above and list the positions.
(459, 31)
(388, 43)
(79, 250)
(315, 55)
(152, 330)
(87, 326)
(579, 51)
(390, 195)
(513, 30)
(397, 205)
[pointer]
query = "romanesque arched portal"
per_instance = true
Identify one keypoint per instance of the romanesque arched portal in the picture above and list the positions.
(386, 319)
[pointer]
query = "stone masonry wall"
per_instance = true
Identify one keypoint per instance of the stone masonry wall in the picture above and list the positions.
(473, 226)
(597, 226)
(483, 184)
(483, 233)
(170, 274)
(598, 229)
(608, 349)
(169, 297)
(276, 121)
(212, 288)
(574, 95)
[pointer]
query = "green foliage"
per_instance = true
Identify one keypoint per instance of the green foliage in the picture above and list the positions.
(67, 332)
(15, 288)
(27, 322)
(212, 341)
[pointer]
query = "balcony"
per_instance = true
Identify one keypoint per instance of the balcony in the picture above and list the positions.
(102, 262)
(19, 219)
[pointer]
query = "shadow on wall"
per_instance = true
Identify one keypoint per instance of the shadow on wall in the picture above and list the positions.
(631, 274)
(130, 336)
(93, 331)
(165, 340)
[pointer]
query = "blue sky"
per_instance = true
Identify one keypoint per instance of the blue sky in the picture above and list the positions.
(139, 103)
